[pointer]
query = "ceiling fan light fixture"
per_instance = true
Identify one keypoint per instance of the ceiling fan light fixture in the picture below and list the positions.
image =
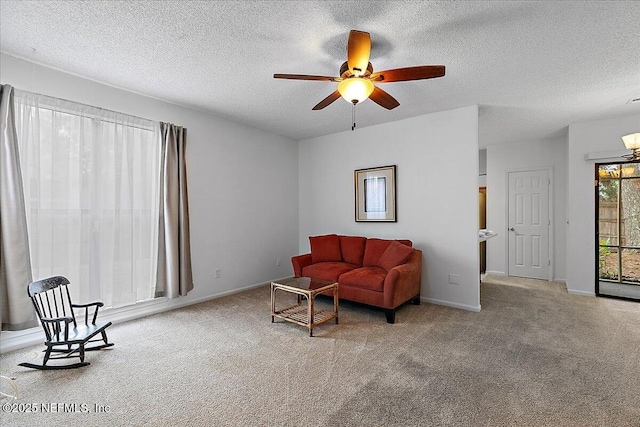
(356, 78)
(632, 142)
(355, 89)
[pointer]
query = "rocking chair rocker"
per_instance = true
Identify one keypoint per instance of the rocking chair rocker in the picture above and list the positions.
(53, 305)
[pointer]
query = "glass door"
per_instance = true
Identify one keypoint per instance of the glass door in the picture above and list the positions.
(618, 230)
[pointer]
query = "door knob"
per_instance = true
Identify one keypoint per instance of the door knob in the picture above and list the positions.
(512, 229)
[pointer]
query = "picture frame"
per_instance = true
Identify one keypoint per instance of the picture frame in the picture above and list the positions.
(375, 194)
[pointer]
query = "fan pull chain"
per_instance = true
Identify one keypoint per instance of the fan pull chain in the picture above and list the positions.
(353, 116)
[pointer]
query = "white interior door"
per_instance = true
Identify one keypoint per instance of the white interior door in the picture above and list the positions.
(528, 224)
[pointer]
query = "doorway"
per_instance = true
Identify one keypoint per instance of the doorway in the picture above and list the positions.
(529, 224)
(482, 221)
(618, 230)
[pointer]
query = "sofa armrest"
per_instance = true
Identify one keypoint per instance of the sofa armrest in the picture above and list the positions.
(299, 262)
(403, 282)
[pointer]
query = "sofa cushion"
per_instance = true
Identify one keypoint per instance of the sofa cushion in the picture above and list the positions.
(373, 251)
(371, 278)
(396, 254)
(325, 248)
(352, 248)
(327, 270)
(405, 242)
(375, 248)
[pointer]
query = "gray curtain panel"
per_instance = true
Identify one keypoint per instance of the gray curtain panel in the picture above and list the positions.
(174, 250)
(15, 262)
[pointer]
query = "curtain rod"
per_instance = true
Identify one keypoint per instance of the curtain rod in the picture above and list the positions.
(84, 105)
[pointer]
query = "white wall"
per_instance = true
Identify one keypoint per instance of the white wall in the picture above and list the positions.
(437, 194)
(589, 137)
(531, 155)
(242, 182)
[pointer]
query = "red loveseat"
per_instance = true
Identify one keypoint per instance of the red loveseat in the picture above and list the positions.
(376, 272)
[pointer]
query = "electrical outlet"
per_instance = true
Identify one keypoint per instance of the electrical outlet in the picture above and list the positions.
(279, 262)
(454, 279)
(218, 273)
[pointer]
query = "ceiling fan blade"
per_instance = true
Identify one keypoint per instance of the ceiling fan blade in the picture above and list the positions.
(358, 51)
(306, 77)
(383, 99)
(328, 100)
(408, 73)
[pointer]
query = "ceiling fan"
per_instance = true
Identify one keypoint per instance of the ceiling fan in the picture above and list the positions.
(356, 81)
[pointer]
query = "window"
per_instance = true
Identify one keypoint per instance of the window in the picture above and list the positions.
(91, 181)
(618, 230)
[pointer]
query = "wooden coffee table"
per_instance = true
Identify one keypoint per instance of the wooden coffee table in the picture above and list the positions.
(304, 314)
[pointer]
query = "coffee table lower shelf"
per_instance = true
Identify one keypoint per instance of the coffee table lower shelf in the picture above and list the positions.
(300, 315)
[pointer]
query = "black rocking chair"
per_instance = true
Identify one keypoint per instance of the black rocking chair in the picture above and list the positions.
(53, 305)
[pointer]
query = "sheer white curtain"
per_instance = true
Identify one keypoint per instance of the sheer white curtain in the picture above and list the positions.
(91, 180)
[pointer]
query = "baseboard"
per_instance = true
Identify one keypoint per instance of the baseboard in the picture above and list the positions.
(502, 273)
(451, 304)
(15, 340)
(581, 293)
(496, 273)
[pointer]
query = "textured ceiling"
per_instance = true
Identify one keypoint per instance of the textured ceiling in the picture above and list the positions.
(533, 67)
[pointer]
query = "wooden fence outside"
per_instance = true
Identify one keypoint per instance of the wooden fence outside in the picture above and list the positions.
(608, 227)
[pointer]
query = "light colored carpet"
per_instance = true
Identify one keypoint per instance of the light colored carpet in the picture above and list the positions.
(534, 356)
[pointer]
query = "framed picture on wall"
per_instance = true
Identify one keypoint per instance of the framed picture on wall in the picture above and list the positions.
(376, 194)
